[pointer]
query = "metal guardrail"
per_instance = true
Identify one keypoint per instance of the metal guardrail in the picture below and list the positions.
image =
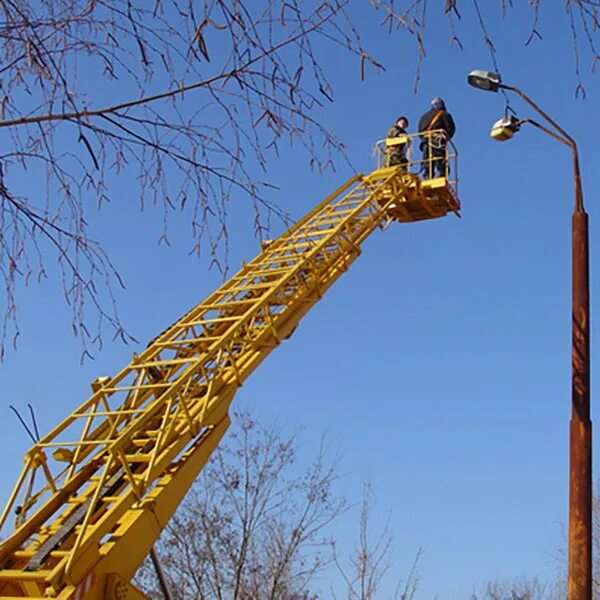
(425, 154)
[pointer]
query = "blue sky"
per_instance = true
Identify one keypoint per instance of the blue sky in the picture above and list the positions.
(440, 363)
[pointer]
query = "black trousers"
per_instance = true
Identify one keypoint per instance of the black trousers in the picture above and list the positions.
(434, 161)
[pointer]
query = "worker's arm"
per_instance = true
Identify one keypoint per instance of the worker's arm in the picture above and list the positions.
(449, 124)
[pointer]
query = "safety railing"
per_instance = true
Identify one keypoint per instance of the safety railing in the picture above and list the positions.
(428, 154)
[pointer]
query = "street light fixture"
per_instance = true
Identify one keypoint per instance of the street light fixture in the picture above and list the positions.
(484, 80)
(503, 129)
(580, 439)
(506, 127)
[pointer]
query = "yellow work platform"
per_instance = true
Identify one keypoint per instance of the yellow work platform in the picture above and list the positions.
(413, 193)
(420, 200)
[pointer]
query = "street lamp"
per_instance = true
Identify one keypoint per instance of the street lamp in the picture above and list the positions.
(580, 440)
(505, 128)
(484, 80)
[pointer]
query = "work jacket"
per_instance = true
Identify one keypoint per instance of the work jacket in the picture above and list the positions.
(399, 152)
(445, 122)
(396, 131)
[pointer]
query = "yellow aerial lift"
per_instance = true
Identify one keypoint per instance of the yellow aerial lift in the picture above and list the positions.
(95, 493)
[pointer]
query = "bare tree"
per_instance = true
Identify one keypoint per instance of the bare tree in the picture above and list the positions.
(582, 16)
(518, 589)
(253, 527)
(196, 97)
(372, 560)
(188, 100)
(556, 589)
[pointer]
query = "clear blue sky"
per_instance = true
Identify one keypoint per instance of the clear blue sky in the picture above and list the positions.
(440, 363)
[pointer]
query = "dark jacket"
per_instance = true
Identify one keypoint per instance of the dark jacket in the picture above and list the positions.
(445, 122)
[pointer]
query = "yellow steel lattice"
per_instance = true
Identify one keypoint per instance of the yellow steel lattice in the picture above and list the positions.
(96, 491)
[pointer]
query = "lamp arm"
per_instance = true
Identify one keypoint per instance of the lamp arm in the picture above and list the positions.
(556, 136)
(535, 107)
(566, 139)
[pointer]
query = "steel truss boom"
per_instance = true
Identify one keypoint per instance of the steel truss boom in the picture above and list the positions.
(96, 492)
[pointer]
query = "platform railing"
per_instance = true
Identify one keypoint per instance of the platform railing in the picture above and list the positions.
(425, 154)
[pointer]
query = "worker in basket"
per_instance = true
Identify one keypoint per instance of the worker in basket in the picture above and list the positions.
(398, 144)
(436, 128)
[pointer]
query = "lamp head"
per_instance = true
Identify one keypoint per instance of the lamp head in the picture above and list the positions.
(505, 128)
(484, 80)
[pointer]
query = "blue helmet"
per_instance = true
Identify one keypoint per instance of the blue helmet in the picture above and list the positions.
(438, 103)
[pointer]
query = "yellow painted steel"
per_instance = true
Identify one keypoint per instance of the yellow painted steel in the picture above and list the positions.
(431, 142)
(96, 491)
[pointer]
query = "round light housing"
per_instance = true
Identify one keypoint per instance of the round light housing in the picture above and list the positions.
(503, 129)
(484, 80)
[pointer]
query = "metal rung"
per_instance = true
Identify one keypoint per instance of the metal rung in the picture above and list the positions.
(253, 286)
(246, 277)
(349, 196)
(280, 271)
(196, 340)
(306, 247)
(277, 259)
(311, 245)
(210, 321)
(18, 575)
(77, 500)
(140, 443)
(315, 232)
(129, 388)
(351, 202)
(343, 211)
(138, 458)
(225, 303)
(23, 553)
(30, 553)
(293, 259)
(334, 219)
(109, 500)
(112, 413)
(167, 362)
(329, 221)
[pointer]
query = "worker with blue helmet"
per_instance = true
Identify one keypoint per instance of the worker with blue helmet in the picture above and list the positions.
(436, 127)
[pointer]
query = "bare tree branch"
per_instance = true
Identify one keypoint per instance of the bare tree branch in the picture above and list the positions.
(254, 79)
(372, 559)
(254, 525)
(209, 93)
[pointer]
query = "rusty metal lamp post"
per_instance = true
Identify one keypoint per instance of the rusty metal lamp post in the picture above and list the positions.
(580, 441)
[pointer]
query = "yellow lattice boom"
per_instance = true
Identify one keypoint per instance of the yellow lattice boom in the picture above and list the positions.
(95, 493)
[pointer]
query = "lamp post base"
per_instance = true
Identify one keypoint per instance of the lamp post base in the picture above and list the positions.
(580, 514)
